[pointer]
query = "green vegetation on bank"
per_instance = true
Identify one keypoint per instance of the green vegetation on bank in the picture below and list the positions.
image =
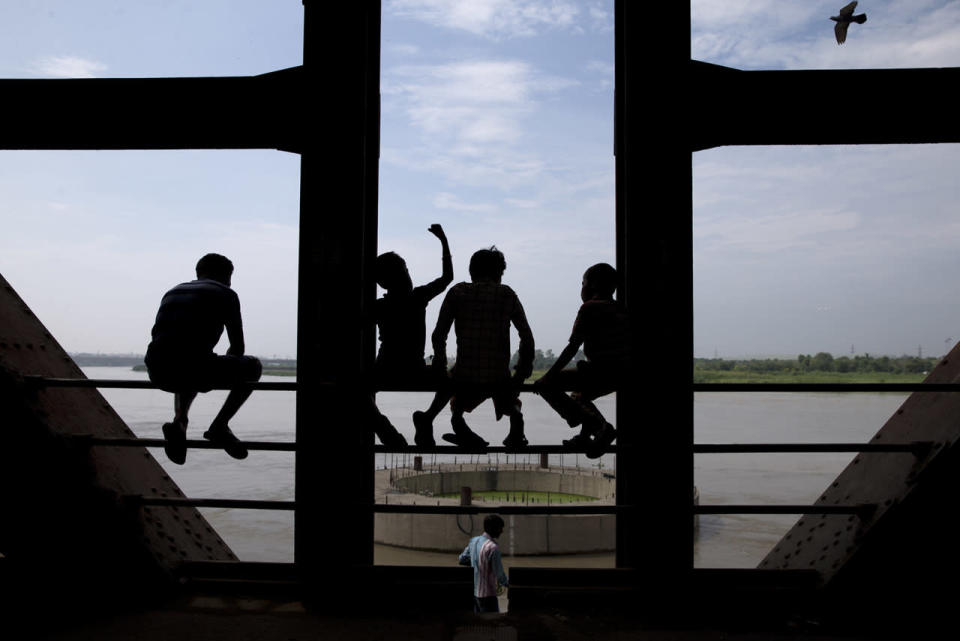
(819, 368)
(700, 376)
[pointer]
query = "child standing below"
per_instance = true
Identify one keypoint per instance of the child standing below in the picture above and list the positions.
(601, 327)
(483, 554)
(481, 313)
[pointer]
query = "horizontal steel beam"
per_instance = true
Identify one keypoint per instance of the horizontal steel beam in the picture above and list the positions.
(242, 112)
(917, 448)
(287, 446)
(381, 508)
(785, 509)
(559, 510)
(826, 387)
(40, 381)
(236, 504)
(821, 107)
(91, 441)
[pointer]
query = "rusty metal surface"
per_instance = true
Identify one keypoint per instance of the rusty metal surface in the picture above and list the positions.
(170, 535)
(892, 481)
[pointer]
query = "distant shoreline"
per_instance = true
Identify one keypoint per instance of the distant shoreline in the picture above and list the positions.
(711, 376)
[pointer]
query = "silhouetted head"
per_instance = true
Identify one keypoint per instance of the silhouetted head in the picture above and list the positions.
(493, 525)
(215, 267)
(599, 281)
(487, 264)
(392, 273)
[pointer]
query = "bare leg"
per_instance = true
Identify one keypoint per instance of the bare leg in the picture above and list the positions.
(219, 431)
(440, 400)
(175, 432)
(515, 439)
(181, 407)
(423, 421)
(381, 425)
(235, 400)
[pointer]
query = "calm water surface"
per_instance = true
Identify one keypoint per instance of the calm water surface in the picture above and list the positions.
(722, 541)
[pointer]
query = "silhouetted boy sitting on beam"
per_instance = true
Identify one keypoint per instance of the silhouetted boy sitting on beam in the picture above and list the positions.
(180, 358)
(481, 313)
(401, 320)
(601, 327)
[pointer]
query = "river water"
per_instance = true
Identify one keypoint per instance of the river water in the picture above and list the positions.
(734, 541)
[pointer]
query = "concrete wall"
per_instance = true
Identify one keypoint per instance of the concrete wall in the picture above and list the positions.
(448, 482)
(523, 534)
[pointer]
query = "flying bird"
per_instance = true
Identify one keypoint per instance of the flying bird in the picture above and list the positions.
(844, 19)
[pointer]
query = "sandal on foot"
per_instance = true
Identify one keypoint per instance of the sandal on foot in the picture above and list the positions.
(424, 434)
(228, 441)
(579, 442)
(464, 435)
(175, 446)
(606, 436)
(469, 441)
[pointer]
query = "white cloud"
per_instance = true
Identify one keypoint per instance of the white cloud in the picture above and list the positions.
(520, 203)
(446, 200)
(773, 233)
(771, 34)
(68, 67)
(471, 116)
(491, 18)
(403, 49)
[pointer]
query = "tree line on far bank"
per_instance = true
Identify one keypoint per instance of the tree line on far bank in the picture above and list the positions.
(821, 362)
(543, 360)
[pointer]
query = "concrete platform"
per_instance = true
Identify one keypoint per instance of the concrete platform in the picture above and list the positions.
(218, 618)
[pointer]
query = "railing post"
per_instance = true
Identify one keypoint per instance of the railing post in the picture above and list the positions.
(338, 200)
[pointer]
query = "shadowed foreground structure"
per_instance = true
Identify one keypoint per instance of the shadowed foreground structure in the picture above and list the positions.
(72, 537)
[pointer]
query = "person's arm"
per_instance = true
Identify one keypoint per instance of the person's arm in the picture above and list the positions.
(441, 331)
(234, 326)
(562, 361)
(464, 558)
(436, 287)
(526, 351)
(573, 345)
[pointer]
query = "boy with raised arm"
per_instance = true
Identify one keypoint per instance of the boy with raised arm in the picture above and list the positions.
(481, 313)
(180, 357)
(401, 319)
(601, 327)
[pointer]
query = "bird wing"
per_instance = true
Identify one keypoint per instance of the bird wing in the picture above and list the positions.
(841, 32)
(848, 10)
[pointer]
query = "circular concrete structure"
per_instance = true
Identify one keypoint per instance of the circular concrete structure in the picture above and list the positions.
(524, 533)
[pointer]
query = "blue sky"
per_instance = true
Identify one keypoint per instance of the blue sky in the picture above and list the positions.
(497, 123)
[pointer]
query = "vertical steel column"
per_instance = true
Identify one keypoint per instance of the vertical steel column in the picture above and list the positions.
(338, 211)
(655, 260)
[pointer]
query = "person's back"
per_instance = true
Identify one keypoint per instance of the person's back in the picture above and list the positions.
(602, 326)
(482, 313)
(192, 317)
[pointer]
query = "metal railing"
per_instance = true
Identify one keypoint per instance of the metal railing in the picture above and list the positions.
(918, 449)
